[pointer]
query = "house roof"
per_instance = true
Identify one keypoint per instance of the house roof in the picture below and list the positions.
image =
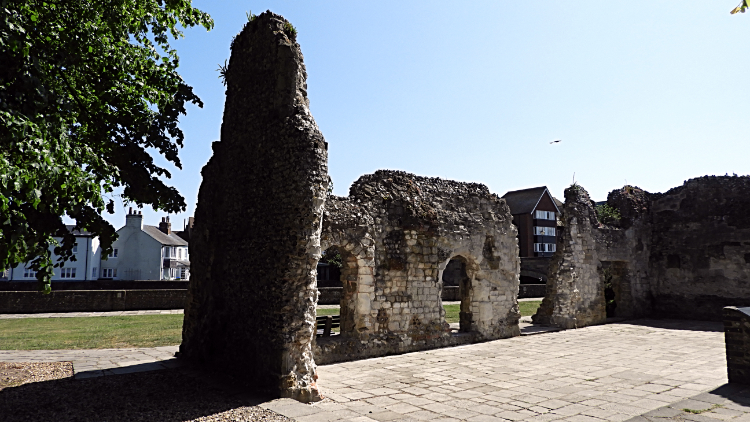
(163, 238)
(524, 201)
(71, 229)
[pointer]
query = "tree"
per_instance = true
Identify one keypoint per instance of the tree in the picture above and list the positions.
(87, 88)
(741, 8)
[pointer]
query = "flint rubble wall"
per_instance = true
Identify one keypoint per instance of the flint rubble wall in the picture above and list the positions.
(398, 232)
(256, 239)
(681, 254)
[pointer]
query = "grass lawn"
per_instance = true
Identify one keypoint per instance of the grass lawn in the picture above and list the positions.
(526, 308)
(126, 331)
(529, 308)
(90, 333)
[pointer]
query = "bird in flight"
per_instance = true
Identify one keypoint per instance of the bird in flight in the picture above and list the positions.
(554, 142)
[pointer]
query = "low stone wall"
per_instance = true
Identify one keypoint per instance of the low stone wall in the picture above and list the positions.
(535, 267)
(737, 339)
(329, 295)
(336, 349)
(450, 294)
(14, 286)
(531, 290)
(27, 302)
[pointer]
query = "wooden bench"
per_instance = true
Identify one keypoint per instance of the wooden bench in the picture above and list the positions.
(326, 323)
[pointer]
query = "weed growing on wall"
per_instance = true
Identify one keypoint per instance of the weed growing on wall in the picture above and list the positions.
(607, 214)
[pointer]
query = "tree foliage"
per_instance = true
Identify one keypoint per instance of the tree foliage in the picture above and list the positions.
(741, 8)
(87, 88)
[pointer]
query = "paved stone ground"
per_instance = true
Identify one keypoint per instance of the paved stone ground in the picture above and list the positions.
(89, 363)
(636, 371)
(605, 373)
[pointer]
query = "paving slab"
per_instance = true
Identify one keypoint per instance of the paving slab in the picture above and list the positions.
(90, 363)
(612, 372)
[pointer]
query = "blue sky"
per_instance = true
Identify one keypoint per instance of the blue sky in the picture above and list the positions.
(643, 92)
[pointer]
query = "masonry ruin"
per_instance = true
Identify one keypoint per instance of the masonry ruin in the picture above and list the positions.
(684, 253)
(255, 243)
(398, 233)
(265, 216)
(260, 225)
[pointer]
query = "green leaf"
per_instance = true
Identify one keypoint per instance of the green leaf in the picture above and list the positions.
(86, 102)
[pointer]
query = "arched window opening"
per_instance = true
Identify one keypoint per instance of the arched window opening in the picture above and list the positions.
(329, 268)
(455, 275)
(337, 268)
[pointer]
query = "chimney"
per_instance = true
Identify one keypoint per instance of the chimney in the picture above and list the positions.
(165, 226)
(134, 219)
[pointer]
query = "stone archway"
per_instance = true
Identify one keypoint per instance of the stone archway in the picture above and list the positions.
(349, 278)
(357, 278)
(458, 272)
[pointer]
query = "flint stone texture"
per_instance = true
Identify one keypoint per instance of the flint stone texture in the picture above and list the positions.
(737, 340)
(681, 254)
(397, 233)
(256, 239)
(700, 259)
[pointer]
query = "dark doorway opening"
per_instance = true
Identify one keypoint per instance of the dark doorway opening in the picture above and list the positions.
(455, 274)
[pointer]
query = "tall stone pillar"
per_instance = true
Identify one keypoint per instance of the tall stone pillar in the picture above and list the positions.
(256, 239)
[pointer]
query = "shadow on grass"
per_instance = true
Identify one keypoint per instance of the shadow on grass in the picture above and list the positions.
(166, 395)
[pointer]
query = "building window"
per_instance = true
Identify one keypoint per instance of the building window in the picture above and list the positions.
(544, 215)
(544, 231)
(183, 273)
(109, 272)
(94, 272)
(113, 254)
(75, 248)
(29, 273)
(545, 247)
(68, 273)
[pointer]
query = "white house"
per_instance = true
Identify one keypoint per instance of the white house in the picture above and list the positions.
(144, 252)
(87, 252)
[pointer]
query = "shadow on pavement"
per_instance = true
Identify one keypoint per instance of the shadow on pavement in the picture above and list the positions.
(677, 324)
(738, 393)
(165, 395)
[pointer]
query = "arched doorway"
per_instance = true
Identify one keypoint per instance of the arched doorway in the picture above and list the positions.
(456, 275)
(338, 267)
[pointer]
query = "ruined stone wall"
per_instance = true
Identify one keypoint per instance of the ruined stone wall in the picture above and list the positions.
(684, 253)
(256, 239)
(700, 259)
(399, 231)
(599, 269)
(574, 296)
